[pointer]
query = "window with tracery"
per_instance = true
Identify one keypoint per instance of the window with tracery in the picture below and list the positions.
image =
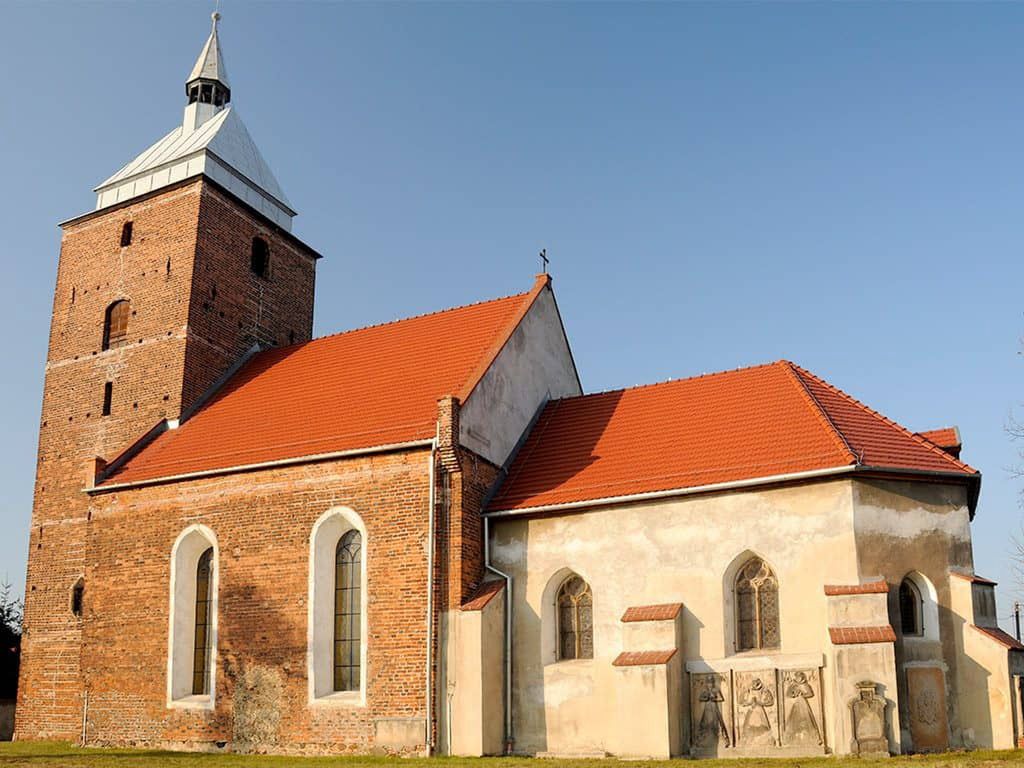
(347, 612)
(757, 607)
(575, 607)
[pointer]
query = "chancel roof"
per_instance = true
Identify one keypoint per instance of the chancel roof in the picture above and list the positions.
(773, 420)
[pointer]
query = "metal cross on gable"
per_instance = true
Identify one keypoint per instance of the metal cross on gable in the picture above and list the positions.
(544, 260)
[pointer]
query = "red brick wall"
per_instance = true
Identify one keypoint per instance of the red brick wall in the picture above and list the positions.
(174, 351)
(262, 521)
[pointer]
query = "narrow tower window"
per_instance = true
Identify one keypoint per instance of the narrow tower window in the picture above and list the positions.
(108, 397)
(260, 257)
(201, 649)
(126, 234)
(347, 612)
(910, 609)
(575, 606)
(115, 324)
(77, 597)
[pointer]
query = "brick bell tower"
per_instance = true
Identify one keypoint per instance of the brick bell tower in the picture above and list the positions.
(185, 266)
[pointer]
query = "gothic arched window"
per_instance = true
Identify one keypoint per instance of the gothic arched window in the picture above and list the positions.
(757, 606)
(575, 609)
(115, 324)
(259, 260)
(201, 648)
(347, 612)
(911, 615)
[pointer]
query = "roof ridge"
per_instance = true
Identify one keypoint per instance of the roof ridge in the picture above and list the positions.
(663, 382)
(912, 435)
(819, 410)
(396, 321)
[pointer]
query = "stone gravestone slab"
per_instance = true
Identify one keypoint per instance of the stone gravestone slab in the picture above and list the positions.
(869, 725)
(801, 708)
(757, 709)
(926, 693)
(710, 712)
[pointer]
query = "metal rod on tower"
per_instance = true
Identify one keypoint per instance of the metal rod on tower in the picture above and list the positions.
(1016, 619)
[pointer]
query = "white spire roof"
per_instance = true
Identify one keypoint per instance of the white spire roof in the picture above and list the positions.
(210, 64)
(212, 141)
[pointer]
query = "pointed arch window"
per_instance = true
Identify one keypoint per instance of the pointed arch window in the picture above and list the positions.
(347, 612)
(911, 613)
(575, 607)
(757, 607)
(115, 324)
(201, 648)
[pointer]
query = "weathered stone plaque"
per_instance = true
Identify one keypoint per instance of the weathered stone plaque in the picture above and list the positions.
(801, 708)
(869, 725)
(711, 711)
(926, 694)
(757, 709)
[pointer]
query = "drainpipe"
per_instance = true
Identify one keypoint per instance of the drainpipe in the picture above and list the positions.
(509, 740)
(430, 601)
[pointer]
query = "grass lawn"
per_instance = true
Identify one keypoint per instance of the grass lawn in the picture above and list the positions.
(62, 755)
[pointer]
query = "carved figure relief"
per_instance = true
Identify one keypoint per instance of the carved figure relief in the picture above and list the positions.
(801, 723)
(868, 712)
(711, 728)
(756, 700)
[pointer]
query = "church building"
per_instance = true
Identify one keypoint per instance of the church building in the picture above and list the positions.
(423, 537)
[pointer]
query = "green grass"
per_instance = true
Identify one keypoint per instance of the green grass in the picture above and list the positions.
(62, 755)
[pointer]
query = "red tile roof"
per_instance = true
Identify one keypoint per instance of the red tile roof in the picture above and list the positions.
(947, 438)
(740, 425)
(1004, 639)
(642, 658)
(858, 635)
(870, 588)
(483, 595)
(663, 612)
(364, 388)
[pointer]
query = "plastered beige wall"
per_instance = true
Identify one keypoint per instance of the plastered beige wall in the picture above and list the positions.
(679, 550)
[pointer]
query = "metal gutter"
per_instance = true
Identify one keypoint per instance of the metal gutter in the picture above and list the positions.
(262, 465)
(429, 735)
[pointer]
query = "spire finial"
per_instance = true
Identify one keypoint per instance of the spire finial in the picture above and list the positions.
(216, 17)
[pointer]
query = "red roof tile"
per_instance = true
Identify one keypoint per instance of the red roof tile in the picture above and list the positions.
(1004, 639)
(947, 438)
(871, 588)
(974, 578)
(858, 635)
(364, 388)
(642, 658)
(747, 424)
(483, 595)
(663, 612)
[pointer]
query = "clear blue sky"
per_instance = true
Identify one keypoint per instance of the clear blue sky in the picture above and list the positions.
(717, 185)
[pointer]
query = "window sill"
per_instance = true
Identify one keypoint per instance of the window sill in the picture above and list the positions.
(339, 699)
(192, 702)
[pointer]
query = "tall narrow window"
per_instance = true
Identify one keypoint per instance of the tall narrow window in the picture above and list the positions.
(108, 397)
(911, 622)
(115, 324)
(126, 234)
(757, 607)
(201, 647)
(260, 258)
(575, 606)
(347, 612)
(77, 597)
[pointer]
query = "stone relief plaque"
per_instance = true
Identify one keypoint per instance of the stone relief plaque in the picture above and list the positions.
(757, 709)
(801, 708)
(711, 711)
(868, 712)
(926, 693)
